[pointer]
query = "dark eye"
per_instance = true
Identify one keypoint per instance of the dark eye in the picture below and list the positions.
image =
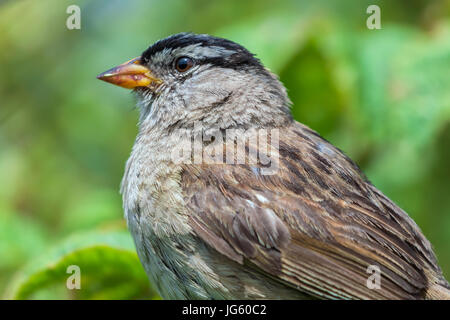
(184, 64)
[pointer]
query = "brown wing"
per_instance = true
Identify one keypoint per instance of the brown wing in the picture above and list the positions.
(316, 224)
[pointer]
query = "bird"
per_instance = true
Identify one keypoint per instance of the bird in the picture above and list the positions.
(258, 206)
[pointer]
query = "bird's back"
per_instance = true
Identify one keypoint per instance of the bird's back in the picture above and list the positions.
(316, 224)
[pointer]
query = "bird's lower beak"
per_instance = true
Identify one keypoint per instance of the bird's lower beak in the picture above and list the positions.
(130, 75)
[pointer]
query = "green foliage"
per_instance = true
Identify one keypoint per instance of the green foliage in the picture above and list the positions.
(383, 96)
(109, 269)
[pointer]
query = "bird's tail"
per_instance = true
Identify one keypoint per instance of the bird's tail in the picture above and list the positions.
(438, 292)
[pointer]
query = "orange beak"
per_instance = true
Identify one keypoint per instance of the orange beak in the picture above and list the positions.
(130, 75)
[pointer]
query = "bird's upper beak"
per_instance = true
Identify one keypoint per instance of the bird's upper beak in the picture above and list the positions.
(130, 75)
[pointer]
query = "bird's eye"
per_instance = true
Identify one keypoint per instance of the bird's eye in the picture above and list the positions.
(184, 64)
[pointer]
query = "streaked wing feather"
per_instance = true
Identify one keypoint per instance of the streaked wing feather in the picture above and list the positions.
(316, 225)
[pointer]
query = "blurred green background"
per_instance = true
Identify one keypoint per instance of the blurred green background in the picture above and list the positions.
(383, 96)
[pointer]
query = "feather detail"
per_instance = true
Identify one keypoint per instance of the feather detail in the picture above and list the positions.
(316, 225)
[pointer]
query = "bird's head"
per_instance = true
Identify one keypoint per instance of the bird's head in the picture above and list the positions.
(188, 77)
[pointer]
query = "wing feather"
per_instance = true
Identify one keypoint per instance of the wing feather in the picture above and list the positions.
(315, 225)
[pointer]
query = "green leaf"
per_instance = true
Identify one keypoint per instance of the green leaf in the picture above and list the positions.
(405, 101)
(109, 269)
(271, 36)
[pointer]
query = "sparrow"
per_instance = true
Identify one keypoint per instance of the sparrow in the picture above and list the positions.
(275, 211)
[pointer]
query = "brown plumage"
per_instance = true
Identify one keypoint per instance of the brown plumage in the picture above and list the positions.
(331, 223)
(306, 224)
